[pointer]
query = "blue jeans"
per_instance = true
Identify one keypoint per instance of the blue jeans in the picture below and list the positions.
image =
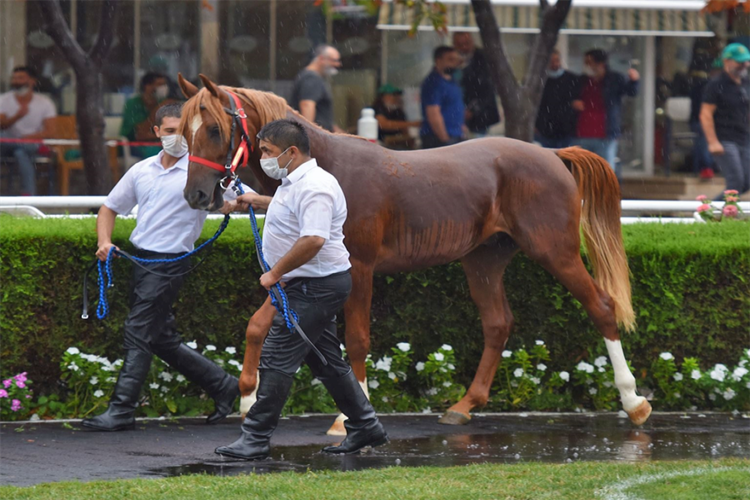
(606, 148)
(701, 157)
(554, 143)
(24, 155)
(735, 165)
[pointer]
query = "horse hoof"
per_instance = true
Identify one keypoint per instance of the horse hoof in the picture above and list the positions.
(246, 402)
(337, 429)
(451, 417)
(641, 413)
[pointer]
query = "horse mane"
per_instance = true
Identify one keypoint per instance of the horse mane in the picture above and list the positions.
(269, 107)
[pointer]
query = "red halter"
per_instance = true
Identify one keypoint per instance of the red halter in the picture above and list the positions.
(243, 151)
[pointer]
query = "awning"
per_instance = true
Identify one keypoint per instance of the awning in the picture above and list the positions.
(623, 17)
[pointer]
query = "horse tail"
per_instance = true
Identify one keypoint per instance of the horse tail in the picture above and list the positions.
(600, 224)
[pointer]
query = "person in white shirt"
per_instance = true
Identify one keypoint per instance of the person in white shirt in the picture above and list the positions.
(25, 114)
(166, 228)
(303, 242)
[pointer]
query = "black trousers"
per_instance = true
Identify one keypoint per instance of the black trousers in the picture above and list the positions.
(150, 326)
(316, 302)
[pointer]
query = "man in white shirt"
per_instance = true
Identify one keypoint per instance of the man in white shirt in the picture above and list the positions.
(166, 228)
(25, 114)
(303, 242)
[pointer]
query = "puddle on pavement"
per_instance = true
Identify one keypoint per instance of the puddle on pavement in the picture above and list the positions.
(514, 439)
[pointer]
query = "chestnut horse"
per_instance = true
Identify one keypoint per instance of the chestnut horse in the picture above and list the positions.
(479, 202)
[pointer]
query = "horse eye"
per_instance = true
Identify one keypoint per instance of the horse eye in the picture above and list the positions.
(214, 133)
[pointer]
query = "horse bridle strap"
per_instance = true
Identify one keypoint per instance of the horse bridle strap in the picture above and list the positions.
(239, 117)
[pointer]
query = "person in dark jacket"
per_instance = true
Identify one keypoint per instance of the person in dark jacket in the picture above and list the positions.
(599, 105)
(556, 120)
(476, 84)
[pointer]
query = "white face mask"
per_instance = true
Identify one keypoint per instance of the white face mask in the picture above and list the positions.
(174, 145)
(22, 91)
(557, 73)
(162, 91)
(272, 169)
(331, 71)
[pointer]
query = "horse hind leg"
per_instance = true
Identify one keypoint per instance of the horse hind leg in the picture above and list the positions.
(484, 268)
(257, 329)
(567, 266)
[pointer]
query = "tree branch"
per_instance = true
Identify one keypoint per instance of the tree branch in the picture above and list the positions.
(502, 72)
(58, 29)
(106, 32)
(543, 4)
(552, 20)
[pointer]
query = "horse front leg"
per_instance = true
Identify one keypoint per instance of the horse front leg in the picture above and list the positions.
(257, 329)
(357, 315)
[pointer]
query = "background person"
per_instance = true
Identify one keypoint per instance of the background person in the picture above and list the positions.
(442, 102)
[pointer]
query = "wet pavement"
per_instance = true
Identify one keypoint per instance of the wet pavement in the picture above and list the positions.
(45, 452)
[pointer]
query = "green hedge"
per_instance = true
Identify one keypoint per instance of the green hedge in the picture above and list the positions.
(691, 294)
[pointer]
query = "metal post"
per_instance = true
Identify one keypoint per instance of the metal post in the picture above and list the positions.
(383, 57)
(648, 86)
(272, 48)
(136, 44)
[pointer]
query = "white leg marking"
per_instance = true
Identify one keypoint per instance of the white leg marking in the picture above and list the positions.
(624, 380)
(247, 402)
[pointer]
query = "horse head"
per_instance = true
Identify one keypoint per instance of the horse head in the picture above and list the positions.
(214, 137)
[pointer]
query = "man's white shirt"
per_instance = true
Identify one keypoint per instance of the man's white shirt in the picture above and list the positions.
(309, 202)
(165, 221)
(40, 109)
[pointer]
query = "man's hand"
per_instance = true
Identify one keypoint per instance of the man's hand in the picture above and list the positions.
(228, 207)
(269, 279)
(715, 148)
(577, 105)
(256, 200)
(634, 75)
(103, 251)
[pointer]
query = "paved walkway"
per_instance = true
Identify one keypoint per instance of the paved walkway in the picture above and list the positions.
(45, 452)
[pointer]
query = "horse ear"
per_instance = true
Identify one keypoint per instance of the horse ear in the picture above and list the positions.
(188, 89)
(211, 86)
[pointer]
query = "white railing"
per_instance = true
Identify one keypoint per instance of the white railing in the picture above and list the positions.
(660, 211)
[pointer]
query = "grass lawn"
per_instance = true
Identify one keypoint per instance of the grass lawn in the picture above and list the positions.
(726, 479)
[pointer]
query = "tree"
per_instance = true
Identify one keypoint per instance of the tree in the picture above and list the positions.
(89, 91)
(520, 100)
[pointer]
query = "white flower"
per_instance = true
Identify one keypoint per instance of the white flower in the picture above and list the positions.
(315, 382)
(541, 367)
(219, 362)
(608, 384)
(565, 376)
(507, 354)
(210, 347)
(747, 385)
(677, 395)
(230, 350)
(154, 385)
(446, 347)
(447, 384)
(739, 373)
(729, 394)
(717, 374)
(109, 368)
(439, 356)
(404, 346)
(431, 392)
(695, 374)
(747, 353)
(98, 394)
(600, 361)
(391, 375)
(427, 410)
(742, 363)
(164, 389)
(73, 350)
(374, 384)
(592, 391)
(111, 380)
(166, 376)
(385, 399)
(666, 356)
(93, 381)
(602, 370)
(73, 366)
(384, 364)
(451, 366)
(539, 342)
(192, 345)
(234, 362)
(585, 367)
(535, 380)
(420, 366)
(677, 376)
(180, 378)
(343, 347)
(712, 397)
(518, 372)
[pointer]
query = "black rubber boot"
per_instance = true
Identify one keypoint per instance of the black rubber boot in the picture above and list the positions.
(262, 419)
(222, 387)
(121, 412)
(362, 426)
